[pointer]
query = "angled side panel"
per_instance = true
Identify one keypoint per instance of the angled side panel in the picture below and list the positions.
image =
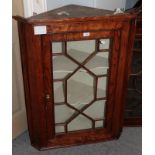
(31, 55)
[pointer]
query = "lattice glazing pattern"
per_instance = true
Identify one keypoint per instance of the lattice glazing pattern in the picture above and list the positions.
(80, 70)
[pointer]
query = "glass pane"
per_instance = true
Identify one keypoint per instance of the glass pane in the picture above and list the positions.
(101, 87)
(58, 92)
(80, 89)
(62, 66)
(99, 124)
(62, 113)
(59, 129)
(80, 50)
(57, 47)
(96, 110)
(99, 63)
(104, 44)
(79, 123)
(80, 74)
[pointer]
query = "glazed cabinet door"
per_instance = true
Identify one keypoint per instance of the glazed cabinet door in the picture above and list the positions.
(80, 72)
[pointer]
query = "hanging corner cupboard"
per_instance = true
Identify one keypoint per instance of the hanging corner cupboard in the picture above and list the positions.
(75, 63)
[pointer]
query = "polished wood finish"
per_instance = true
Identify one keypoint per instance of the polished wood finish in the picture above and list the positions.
(38, 75)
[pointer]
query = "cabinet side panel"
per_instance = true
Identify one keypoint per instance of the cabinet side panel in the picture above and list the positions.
(121, 77)
(33, 81)
(112, 77)
(24, 61)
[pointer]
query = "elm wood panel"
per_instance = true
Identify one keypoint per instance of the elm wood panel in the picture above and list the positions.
(114, 55)
(120, 84)
(24, 61)
(79, 36)
(36, 87)
(83, 26)
(48, 80)
(77, 13)
(36, 82)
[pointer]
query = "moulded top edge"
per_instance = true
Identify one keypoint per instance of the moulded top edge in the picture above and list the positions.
(72, 13)
(76, 13)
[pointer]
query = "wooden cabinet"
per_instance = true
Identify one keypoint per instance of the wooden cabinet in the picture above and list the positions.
(75, 61)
